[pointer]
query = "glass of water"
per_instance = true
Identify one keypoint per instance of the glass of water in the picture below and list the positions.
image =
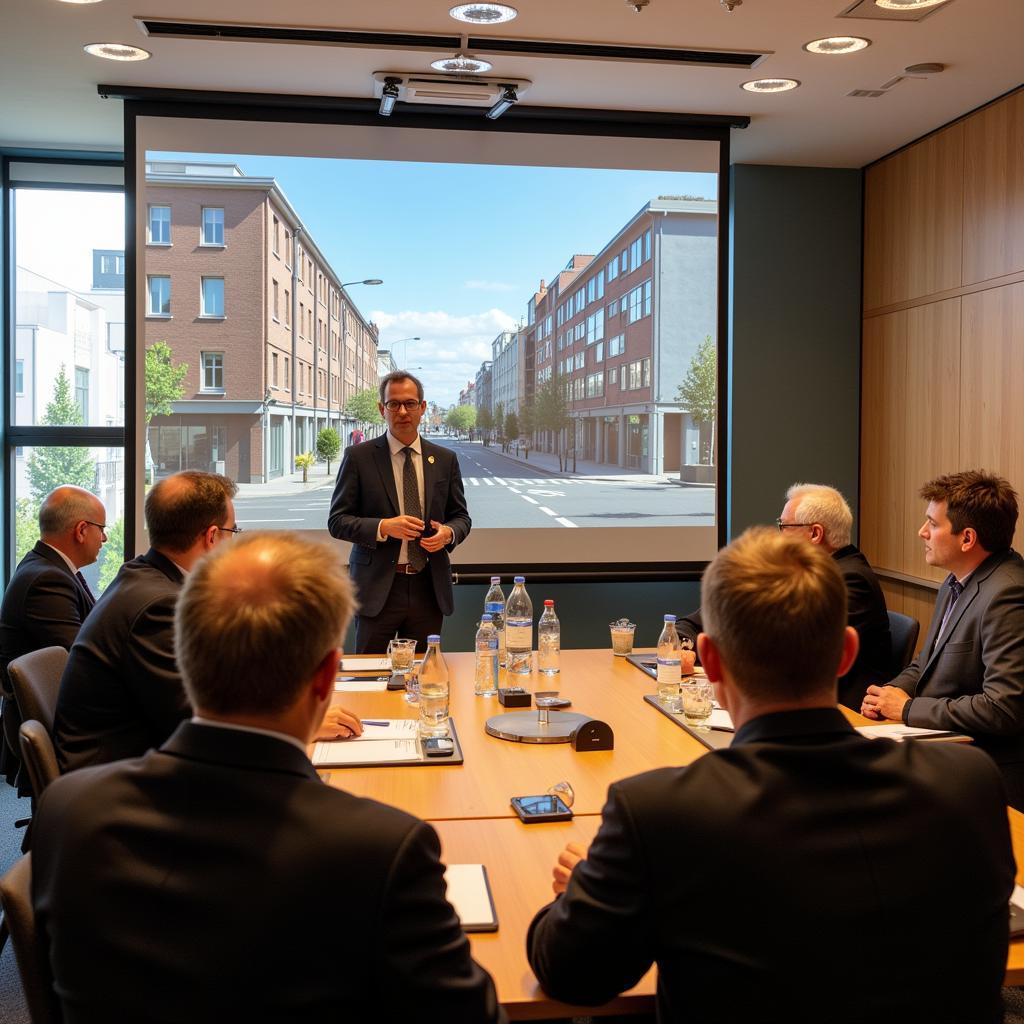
(697, 700)
(402, 654)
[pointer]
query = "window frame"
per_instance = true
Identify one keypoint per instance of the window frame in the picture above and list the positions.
(222, 244)
(203, 314)
(212, 389)
(150, 240)
(150, 312)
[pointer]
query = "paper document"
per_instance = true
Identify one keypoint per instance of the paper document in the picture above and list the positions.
(342, 752)
(365, 664)
(470, 894)
(361, 686)
(898, 732)
(1017, 897)
(387, 729)
(721, 719)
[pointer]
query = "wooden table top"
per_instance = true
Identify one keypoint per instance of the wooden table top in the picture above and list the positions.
(600, 685)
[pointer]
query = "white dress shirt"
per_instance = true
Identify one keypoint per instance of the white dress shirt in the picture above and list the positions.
(398, 468)
(71, 565)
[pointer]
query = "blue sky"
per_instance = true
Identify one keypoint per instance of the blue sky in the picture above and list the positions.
(461, 247)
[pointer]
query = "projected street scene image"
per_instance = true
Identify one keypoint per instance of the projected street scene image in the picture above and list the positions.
(563, 323)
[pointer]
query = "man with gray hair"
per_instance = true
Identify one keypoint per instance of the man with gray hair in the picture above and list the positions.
(820, 514)
(48, 598)
(231, 882)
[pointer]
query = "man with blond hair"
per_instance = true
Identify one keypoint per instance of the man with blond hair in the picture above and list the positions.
(763, 877)
(231, 883)
(820, 515)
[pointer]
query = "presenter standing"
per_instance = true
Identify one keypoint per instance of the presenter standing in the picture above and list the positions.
(400, 501)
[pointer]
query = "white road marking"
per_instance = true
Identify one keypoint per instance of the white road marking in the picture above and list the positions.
(550, 512)
(526, 497)
(473, 480)
(566, 522)
(514, 490)
(488, 481)
(498, 480)
(547, 494)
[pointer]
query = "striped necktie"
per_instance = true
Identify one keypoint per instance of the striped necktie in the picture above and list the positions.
(411, 498)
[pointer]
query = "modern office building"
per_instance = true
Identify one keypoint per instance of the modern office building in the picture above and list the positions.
(508, 368)
(239, 290)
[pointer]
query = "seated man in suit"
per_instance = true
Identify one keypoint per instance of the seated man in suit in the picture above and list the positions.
(217, 878)
(820, 515)
(48, 599)
(400, 501)
(969, 676)
(763, 878)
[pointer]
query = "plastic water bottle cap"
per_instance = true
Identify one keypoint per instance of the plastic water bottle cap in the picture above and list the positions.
(670, 618)
(485, 618)
(519, 579)
(434, 638)
(495, 579)
(549, 603)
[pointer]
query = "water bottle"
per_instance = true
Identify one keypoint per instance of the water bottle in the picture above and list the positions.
(669, 671)
(433, 690)
(485, 680)
(494, 605)
(549, 640)
(519, 629)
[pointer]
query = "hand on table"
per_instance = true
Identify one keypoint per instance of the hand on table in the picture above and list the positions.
(402, 527)
(339, 724)
(442, 538)
(884, 702)
(567, 860)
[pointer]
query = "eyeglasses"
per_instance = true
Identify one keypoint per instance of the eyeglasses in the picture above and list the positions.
(410, 405)
(787, 526)
(99, 526)
(231, 529)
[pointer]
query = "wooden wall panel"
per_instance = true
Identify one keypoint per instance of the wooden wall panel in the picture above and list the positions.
(931, 428)
(913, 221)
(994, 191)
(919, 603)
(992, 378)
(883, 456)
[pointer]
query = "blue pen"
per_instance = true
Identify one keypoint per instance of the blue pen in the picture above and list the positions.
(367, 721)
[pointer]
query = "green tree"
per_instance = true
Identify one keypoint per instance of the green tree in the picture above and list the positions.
(362, 406)
(305, 462)
(111, 555)
(165, 382)
(552, 413)
(485, 421)
(462, 418)
(698, 393)
(26, 527)
(511, 427)
(499, 423)
(527, 419)
(328, 445)
(51, 467)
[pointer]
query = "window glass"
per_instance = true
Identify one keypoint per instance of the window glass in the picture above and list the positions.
(213, 296)
(159, 232)
(213, 371)
(159, 296)
(213, 225)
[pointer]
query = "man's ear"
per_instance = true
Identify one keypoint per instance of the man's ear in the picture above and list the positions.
(325, 673)
(817, 533)
(968, 539)
(710, 658)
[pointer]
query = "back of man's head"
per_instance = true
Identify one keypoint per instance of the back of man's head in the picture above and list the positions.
(64, 507)
(775, 607)
(256, 618)
(181, 506)
(983, 501)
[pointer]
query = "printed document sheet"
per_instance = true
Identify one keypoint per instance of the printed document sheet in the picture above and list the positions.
(383, 741)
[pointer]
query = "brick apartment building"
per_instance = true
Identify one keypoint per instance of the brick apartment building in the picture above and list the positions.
(619, 330)
(238, 288)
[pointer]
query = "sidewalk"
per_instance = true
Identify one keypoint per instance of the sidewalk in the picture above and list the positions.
(547, 464)
(319, 480)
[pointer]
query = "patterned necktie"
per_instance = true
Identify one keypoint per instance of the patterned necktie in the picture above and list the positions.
(411, 497)
(956, 588)
(85, 586)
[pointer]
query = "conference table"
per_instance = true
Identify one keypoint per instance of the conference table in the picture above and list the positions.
(469, 805)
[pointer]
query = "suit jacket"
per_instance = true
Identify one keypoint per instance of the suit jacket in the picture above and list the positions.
(865, 611)
(365, 494)
(44, 606)
(121, 692)
(972, 680)
(761, 878)
(218, 879)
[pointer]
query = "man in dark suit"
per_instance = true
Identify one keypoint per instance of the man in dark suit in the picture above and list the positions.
(121, 693)
(231, 883)
(806, 873)
(969, 676)
(400, 501)
(820, 514)
(48, 599)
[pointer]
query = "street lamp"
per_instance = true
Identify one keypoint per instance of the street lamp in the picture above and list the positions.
(369, 280)
(405, 351)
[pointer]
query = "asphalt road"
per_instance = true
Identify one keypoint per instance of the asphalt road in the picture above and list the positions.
(499, 494)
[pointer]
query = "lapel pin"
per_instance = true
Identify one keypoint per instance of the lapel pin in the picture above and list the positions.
(430, 459)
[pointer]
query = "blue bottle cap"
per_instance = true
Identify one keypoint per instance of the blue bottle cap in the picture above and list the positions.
(519, 579)
(485, 618)
(670, 618)
(434, 638)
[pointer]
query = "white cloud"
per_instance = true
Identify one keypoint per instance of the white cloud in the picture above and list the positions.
(489, 286)
(450, 349)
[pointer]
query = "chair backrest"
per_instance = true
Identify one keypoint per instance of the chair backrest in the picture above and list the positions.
(903, 630)
(38, 756)
(35, 679)
(33, 964)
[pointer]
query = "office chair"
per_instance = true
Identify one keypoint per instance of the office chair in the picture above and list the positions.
(33, 965)
(35, 679)
(38, 756)
(903, 630)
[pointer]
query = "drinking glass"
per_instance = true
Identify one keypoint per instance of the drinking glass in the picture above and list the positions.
(698, 700)
(622, 631)
(402, 654)
(564, 791)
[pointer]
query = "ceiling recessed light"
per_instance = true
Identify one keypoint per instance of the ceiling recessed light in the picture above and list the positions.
(460, 64)
(837, 44)
(906, 5)
(770, 85)
(483, 14)
(117, 51)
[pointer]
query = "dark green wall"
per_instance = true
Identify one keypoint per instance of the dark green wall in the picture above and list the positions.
(794, 398)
